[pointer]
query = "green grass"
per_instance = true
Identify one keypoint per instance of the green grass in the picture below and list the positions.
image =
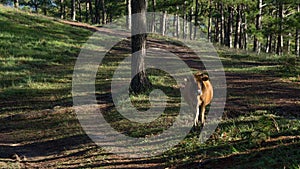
(37, 56)
(287, 66)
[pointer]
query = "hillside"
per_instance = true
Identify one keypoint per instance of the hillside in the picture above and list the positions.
(39, 128)
(37, 55)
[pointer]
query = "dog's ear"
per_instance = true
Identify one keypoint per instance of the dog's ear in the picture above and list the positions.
(205, 78)
(198, 76)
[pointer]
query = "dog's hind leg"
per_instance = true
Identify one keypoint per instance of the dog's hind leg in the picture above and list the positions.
(197, 116)
(202, 114)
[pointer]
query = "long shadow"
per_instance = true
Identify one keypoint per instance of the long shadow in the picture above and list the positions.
(250, 92)
(44, 148)
(266, 156)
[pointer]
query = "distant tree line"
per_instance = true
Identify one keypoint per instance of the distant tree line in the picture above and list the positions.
(270, 26)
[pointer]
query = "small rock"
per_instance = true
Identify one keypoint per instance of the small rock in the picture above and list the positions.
(56, 107)
(16, 157)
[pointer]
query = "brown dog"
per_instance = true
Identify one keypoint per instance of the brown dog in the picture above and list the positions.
(199, 87)
(205, 95)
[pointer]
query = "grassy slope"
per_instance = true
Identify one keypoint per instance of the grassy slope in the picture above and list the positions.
(37, 55)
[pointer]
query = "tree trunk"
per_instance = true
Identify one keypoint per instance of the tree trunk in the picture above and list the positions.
(62, 9)
(45, 10)
(111, 16)
(186, 26)
(242, 27)
(269, 39)
(196, 18)
(229, 27)
(140, 82)
(36, 7)
(174, 25)
(73, 10)
(177, 24)
(91, 11)
(153, 16)
(280, 36)
(184, 29)
(222, 31)
(270, 44)
(97, 11)
(16, 4)
(128, 17)
(245, 36)
(103, 9)
(191, 24)
(217, 26)
(238, 28)
(297, 45)
(297, 42)
(209, 26)
(274, 44)
(257, 44)
(87, 8)
(79, 10)
(163, 23)
(289, 43)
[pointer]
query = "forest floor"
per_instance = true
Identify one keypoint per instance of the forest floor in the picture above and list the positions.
(39, 128)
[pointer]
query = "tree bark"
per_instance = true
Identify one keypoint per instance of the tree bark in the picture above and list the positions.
(36, 7)
(128, 17)
(270, 44)
(245, 34)
(191, 24)
(222, 24)
(87, 8)
(297, 42)
(269, 38)
(62, 9)
(177, 24)
(97, 11)
(289, 43)
(91, 11)
(280, 36)
(257, 44)
(44, 9)
(140, 82)
(184, 27)
(229, 27)
(79, 10)
(174, 25)
(16, 4)
(103, 14)
(243, 27)
(73, 10)
(209, 26)
(163, 23)
(153, 16)
(196, 18)
(238, 28)
(217, 26)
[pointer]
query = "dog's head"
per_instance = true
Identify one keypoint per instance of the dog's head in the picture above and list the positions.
(201, 77)
(189, 90)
